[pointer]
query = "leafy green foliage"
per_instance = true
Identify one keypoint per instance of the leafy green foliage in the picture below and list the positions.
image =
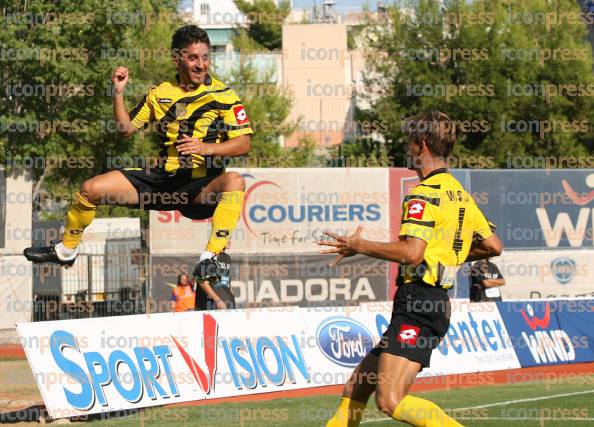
(55, 90)
(265, 21)
(498, 90)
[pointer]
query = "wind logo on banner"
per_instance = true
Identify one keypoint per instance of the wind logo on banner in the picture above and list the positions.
(546, 346)
(580, 200)
(563, 224)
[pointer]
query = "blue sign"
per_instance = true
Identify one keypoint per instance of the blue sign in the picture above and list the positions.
(344, 341)
(550, 332)
(539, 208)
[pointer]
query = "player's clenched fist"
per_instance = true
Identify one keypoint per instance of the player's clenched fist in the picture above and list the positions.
(119, 79)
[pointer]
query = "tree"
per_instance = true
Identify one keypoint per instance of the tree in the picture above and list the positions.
(265, 21)
(56, 104)
(495, 76)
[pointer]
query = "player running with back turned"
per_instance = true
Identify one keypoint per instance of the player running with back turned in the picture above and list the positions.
(442, 228)
(198, 118)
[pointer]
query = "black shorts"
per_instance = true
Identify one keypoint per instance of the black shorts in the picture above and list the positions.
(165, 191)
(420, 319)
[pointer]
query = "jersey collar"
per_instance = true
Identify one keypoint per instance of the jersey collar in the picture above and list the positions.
(435, 172)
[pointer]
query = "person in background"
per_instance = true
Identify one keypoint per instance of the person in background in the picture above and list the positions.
(213, 284)
(485, 280)
(183, 295)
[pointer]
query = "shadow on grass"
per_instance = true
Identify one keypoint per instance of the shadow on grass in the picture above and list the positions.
(38, 413)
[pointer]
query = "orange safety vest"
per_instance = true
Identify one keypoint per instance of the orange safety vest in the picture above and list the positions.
(185, 298)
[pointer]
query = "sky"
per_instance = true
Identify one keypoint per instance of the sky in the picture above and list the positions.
(301, 4)
(340, 4)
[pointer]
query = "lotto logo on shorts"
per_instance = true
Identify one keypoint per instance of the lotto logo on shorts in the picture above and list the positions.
(240, 114)
(416, 209)
(408, 334)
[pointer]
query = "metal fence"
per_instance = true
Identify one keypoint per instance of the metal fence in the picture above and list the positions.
(112, 283)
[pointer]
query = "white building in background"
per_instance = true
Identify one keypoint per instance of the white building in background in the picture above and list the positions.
(315, 65)
(218, 18)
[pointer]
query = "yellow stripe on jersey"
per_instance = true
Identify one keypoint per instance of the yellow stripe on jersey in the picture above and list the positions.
(213, 113)
(444, 215)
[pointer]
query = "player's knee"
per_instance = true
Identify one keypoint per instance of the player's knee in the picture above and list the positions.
(234, 182)
(386, 403)
(91, 191)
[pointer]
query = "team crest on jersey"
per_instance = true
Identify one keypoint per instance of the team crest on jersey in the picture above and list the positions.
(415, 209)
(164, 100)
(240, 115)
(180, 110)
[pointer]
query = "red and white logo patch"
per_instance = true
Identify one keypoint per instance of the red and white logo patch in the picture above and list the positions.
(415, 209)
(240, 115)
(408, 334)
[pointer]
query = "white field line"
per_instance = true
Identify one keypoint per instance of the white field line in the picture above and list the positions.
(508, 402)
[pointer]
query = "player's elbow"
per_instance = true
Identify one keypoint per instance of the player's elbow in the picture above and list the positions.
(494, 245)
(497, 249)
(415, 251)
(415, 256)
(414, 259)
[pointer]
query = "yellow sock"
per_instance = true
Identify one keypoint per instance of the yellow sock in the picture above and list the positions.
(348, 414)
(224, 220)
(422, 413)
(80, 215)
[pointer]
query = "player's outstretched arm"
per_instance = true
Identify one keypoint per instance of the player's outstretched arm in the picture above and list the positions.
(119, 79)
(235, 147)
(487, 248)
(407, 250)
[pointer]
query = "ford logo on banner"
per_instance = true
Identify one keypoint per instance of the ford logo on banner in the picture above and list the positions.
(344, 341)
(563, 269)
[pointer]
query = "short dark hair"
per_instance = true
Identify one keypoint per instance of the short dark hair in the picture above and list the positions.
(436, 128)
(187, 35)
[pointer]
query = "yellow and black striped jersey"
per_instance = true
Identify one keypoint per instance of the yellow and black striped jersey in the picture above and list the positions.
(213, 112)
(444, 215)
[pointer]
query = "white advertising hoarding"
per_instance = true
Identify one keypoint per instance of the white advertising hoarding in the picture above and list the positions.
(105, 364)
(546, 274)
(98, 365)
(286, 210)
(16, 273)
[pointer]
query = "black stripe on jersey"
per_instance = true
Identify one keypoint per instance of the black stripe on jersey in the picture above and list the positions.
(134, 112)
(434, 186)
(170, 114)
(423, 223)
(190, 122)
(433, 200)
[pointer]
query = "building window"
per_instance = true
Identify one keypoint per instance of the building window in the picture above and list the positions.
(204, 9)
